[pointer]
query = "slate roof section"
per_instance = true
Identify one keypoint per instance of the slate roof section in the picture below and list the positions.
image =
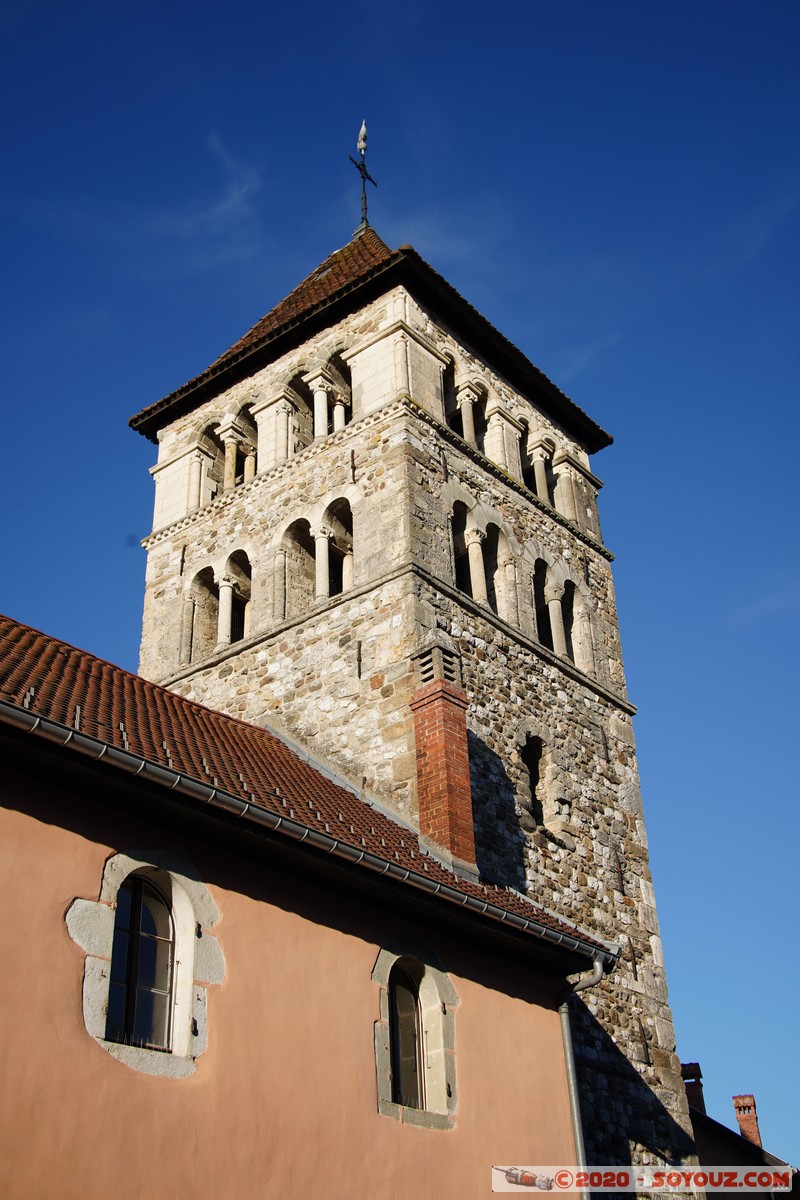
(357, 267)
(57, 682)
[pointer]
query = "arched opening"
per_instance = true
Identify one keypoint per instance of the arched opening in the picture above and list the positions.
(301, 419)
(481, 423)
(238, 568)
(493, 568)
(531, 756)
(340, 408)
(140, 986)
(544, 631)
(526, 462)
(460, 556)
(246, 449)
(405, 1030)
(452, 414)
(214, 460)
(299, 569)
(339, 519)
(204, 595)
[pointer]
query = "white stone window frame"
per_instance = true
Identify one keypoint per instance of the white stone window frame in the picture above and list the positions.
(198, 957)
(438, 1001)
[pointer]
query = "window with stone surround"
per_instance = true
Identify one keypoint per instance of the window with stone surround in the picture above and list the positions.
(415, 1036)
(150, 957)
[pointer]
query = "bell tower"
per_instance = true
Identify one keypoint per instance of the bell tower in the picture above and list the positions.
(376, 531)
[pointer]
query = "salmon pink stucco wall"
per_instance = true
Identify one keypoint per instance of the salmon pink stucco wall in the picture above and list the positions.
(284, 1102)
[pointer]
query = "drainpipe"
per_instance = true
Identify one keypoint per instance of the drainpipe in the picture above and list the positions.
(587, 981)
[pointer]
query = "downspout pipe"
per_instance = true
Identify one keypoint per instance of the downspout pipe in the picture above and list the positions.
(587, 981)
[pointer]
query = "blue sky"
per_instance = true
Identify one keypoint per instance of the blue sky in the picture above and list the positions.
(617, 187)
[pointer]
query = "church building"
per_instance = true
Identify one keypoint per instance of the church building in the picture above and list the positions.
(349, 887)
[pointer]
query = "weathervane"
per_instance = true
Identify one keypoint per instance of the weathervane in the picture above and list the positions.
(361, 167)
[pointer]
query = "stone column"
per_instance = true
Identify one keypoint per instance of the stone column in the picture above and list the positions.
(473, 539)
(279, 593)
(401, 366)
(339, 414)
(510, 611)
(347, 571)
(321, 386)
(565, 493)
(467, 396)
(496, 437)
(249, 464)
(582, 637)
(231, 443)
(557, 626)
(539, 460)
(225, 585)
(322, 537)
(187, 627)
(195, 480)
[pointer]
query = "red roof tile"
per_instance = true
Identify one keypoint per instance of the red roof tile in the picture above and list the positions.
(59, 683)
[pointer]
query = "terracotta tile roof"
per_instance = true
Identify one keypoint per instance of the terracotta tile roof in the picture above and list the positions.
(352, 267)
(59, 683)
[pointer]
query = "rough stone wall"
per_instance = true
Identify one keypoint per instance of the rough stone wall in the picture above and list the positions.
(338, 676)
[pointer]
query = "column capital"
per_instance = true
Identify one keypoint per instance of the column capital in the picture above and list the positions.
(276, 400)
(467, 393)
(224, 581)
(472, 536)
(319, 381)
(322, 531)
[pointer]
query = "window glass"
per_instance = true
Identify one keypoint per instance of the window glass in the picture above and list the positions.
(406, 1045)
(140, 992)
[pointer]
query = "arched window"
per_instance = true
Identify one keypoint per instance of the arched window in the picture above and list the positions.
(203, 616)
(531, 756)
(406, 1044)
(339, 520)
(153, 922)
(543, 629)
(460, 555)
(415, 1036)
(140, 988)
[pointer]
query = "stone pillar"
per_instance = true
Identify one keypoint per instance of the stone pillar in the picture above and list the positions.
(322, 537)
(279, 592)
(339, 414)
(496, 437)
(321, 386)
(347, 571)
(539, 460)
(187, 628)
(557, 626)
(582, 637)
(444, 792)
(401, 366)
(510, 606)
(195, 480)
(473, 539)
(249, 464)
(565, 493)
(466, 398)
(225, 585)
(231, 443)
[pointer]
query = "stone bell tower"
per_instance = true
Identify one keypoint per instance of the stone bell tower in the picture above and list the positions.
(376, 531)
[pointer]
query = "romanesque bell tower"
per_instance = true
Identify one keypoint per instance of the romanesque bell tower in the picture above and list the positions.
(376, 525)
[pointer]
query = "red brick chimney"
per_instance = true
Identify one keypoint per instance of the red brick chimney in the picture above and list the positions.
(746, 1115)
(444, 793)
(693, 1082)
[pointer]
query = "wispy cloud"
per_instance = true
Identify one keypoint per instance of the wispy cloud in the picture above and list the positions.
(208, 232)
(765, 220)
(780, 601)
(581, 357)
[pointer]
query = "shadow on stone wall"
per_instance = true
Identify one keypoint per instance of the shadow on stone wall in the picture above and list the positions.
(499, 838)
(620, 1111)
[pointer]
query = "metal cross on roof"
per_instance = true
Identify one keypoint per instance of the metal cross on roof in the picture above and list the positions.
(364, 173)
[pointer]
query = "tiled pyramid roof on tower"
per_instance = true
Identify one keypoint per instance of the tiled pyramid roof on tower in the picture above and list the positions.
(350, 277)
(72, 699)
